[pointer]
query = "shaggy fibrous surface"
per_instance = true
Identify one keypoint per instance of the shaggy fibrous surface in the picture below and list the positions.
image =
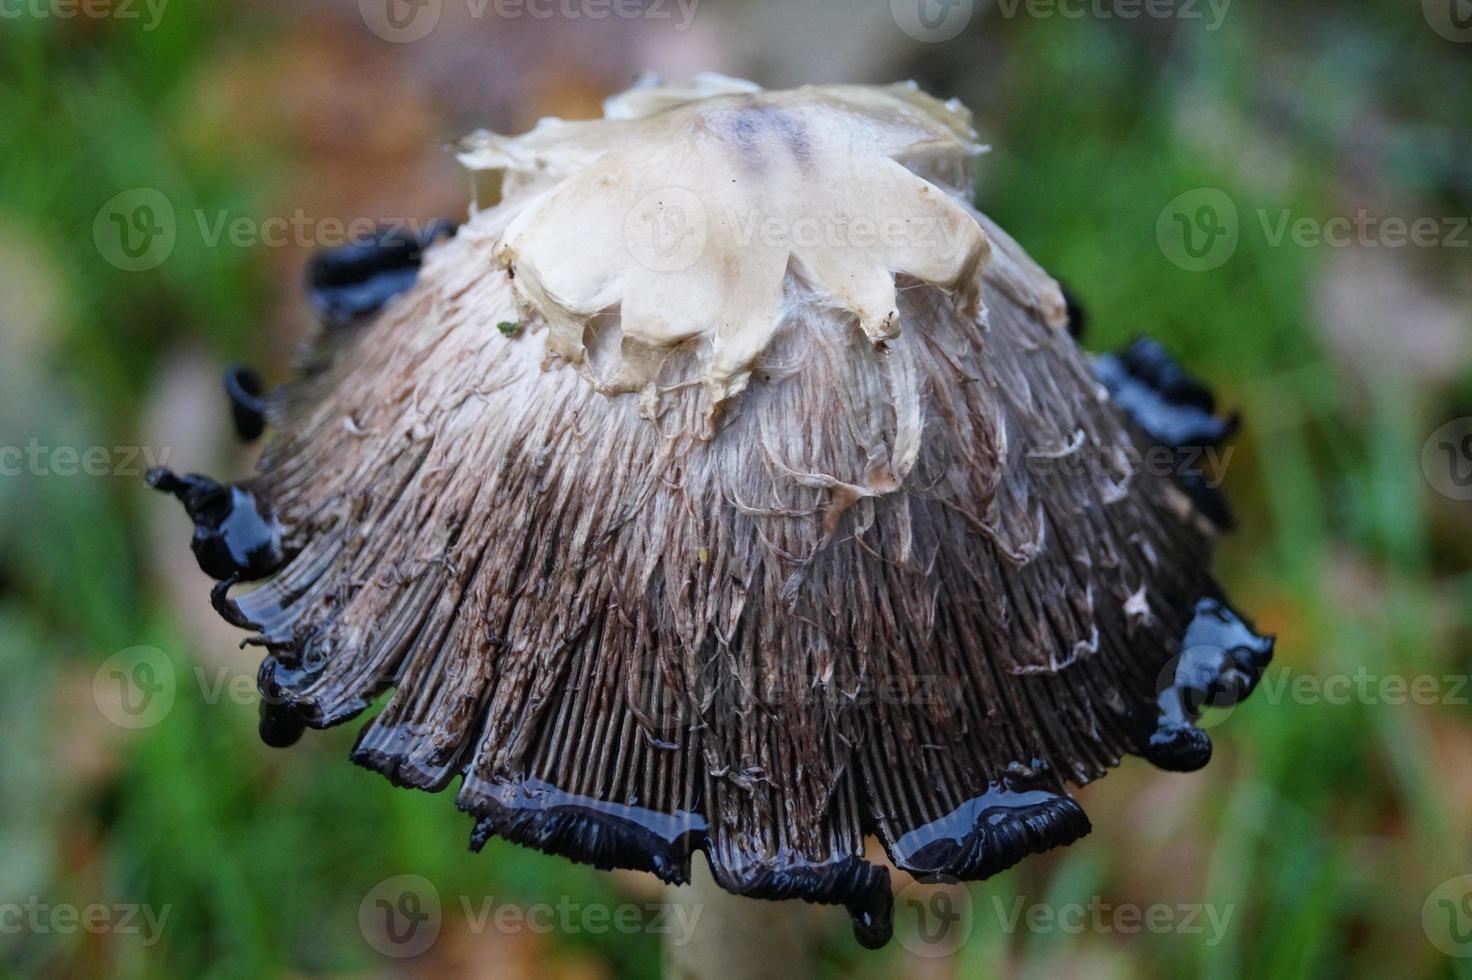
(756, 551)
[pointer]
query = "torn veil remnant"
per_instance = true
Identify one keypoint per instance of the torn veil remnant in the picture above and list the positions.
(788, 512)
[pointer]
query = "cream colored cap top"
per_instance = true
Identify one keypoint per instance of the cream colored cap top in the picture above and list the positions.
(685, 209)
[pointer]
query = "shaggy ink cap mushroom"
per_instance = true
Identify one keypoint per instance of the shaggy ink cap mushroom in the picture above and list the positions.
(747, 542)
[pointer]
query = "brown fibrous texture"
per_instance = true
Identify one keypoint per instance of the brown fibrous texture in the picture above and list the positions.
(876, 588)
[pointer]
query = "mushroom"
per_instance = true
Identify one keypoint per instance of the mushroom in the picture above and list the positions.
(731, 485)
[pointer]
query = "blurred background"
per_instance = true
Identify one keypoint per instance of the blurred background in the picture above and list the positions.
(1279, 192)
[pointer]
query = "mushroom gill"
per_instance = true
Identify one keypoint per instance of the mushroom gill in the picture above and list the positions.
(813, 526)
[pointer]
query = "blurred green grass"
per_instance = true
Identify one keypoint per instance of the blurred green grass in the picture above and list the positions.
(1322, 826)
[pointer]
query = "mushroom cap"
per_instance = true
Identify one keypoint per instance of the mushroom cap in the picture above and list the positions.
(756, 552)
(687, 210)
